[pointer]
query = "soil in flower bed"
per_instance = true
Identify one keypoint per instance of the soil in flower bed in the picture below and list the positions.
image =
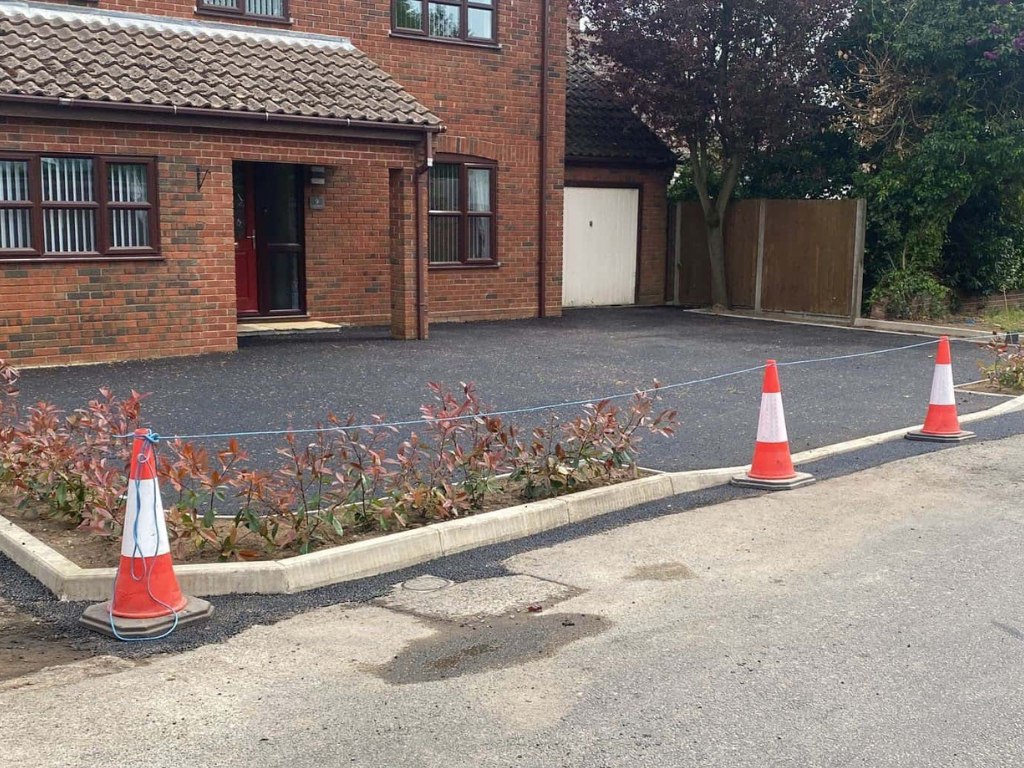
(89, 550)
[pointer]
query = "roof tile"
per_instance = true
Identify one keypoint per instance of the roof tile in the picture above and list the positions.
(601, 126)
(139, 60)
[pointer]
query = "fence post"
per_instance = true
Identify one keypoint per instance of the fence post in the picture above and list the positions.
(759, 274)
(858, 260)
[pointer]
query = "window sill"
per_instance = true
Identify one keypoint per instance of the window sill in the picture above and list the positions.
(243, 17)
(446, 41)
(15, 259)
(463, 265)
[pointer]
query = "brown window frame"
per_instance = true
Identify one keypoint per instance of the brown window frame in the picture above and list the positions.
(465, 215)
(239, 12)
(101, 203)
(464, 8)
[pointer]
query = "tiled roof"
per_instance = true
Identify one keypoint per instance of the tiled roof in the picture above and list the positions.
(600, 126)
(135, 60)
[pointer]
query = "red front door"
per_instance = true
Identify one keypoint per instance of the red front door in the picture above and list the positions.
(246, 278)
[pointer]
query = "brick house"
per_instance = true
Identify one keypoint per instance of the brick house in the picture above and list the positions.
(170, 169)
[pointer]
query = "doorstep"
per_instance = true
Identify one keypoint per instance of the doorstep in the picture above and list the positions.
(278, 327)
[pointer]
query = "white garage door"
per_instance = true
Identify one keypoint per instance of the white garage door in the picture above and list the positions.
(600, 245)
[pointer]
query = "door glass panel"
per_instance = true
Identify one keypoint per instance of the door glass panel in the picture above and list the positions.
(282, 274)
(277, 204)
(238, 183)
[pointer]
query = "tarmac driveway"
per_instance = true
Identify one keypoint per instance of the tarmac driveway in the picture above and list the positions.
(275, 384)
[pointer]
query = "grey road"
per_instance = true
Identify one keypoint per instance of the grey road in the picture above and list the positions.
(586, 354)
(873, 619)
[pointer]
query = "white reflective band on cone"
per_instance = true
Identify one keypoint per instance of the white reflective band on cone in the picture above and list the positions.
(771, 425)
(942, 386)
(142, 494)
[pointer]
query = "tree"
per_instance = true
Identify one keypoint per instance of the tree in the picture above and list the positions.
(936, 93)
(725, 79)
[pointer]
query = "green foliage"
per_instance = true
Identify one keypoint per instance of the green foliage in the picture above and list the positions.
(904, 294)
(935, 90)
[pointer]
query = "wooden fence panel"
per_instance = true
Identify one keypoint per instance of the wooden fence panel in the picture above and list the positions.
(741, 241)
(808, 256)
(781, 255)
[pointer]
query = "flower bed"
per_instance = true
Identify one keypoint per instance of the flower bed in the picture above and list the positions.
(68, 471)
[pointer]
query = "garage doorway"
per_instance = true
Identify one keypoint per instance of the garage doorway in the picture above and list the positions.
(601, 246)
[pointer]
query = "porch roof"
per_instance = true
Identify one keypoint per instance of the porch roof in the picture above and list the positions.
(84, 57)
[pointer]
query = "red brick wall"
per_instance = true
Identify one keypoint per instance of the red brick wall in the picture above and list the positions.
(94, 311)
(487, 98)
(653, 219)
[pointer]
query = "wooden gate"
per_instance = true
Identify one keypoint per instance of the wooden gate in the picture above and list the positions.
(804, 256)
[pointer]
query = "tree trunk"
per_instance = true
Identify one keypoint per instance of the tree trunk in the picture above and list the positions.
(714, 219)
(716, 253)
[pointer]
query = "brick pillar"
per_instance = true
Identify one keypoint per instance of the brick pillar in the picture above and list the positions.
(402, 253)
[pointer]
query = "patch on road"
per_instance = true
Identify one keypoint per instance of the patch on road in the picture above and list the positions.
(498, 643)
(436, 598)
(28, 645)
(662, 572)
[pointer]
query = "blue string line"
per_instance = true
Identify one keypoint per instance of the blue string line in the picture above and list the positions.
(557, 406)
(146, 455)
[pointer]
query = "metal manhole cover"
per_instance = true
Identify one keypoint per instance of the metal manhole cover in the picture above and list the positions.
(426, 584)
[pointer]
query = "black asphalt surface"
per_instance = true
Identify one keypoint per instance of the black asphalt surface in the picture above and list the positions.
(278, 384)
(235, 613)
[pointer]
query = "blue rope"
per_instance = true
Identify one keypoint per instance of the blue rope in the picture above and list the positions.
(149, 454)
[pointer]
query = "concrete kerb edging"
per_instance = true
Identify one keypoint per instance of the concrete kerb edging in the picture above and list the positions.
(407, 548)
(898, 327)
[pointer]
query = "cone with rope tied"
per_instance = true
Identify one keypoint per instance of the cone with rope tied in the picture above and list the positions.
(147, 602)
(772, 466)
(941, 423)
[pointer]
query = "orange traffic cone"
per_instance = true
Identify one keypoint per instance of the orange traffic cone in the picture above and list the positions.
(941, 424)
(772, 467)
(147, 602)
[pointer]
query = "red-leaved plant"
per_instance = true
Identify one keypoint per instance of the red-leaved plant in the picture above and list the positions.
(343, 479)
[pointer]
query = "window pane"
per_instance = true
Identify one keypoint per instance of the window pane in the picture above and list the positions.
(13, 180)
(479, 190)
(129, 228)
(69, 230)
(409, 14)
(480, 237)
(220, 3)
(444, 188)
(265, 7)
(67, 180)
(128, 183)
(444, 239)
(14, 229)
(481, 23)
(444, 20)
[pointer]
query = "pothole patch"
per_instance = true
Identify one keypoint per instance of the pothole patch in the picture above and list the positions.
(499, 643)
(426, 583)
(474, 599)
(662, 572)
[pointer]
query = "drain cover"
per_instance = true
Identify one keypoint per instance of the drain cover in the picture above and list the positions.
(426, 584)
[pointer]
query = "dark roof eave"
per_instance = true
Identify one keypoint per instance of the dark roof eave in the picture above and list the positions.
(253, 120)
(645, 162)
